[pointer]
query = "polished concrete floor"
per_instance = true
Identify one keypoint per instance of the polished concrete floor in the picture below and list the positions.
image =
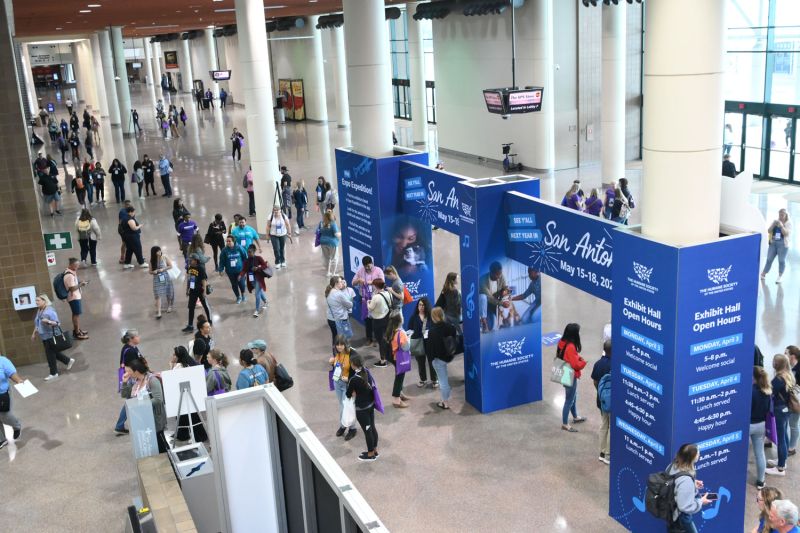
(439, 471)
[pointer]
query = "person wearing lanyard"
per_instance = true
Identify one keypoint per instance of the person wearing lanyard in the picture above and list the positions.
(253, 274)
(245, 235)
(196, 281)
(279, 227)
(365, 275)
(8, 372)
(231, 261)
(778, 232)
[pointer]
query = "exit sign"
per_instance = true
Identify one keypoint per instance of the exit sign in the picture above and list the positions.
(57, 241)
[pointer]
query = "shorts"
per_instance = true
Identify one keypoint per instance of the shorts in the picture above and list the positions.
(52, 198)
(75, 306)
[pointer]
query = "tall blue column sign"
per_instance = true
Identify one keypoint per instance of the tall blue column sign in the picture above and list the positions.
(684, 324)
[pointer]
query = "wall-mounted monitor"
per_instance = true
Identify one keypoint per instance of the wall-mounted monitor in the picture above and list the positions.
(526, 100)
(136, 65)
(494, 101)
(220, 75)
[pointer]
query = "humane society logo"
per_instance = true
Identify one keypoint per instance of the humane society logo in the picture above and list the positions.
(511, 348)
(719, 277)
(413, 288)
(467, 209)
(642, 279)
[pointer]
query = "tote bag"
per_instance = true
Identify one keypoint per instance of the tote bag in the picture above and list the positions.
(771, 426)
(60, 341)
(402, 358)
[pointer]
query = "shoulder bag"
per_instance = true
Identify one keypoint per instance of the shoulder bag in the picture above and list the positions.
(60, 341)
(283, 380)
(402, 358)
(557, 370)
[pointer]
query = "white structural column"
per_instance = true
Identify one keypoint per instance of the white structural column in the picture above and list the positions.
(543, 123)
(187, 76)
(683, 119)
(316, 96)
(257, 96)
(97, 72)
(85, 73)
(612, 110)
(77, 71)
(148, 69)
(157, 69)
(340, 79)
(416, 60)
(211, 58)
(369, 77)
(123, 89)
(33, 104)
(108, 77)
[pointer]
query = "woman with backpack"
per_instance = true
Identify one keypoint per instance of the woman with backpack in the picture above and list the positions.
(686, 488)
(782, 385)
(88, 235)
(218, 381)
(437, 351)
(139, 381)
(252, 374)
(361, 385)
(341, 372)
(569, 348)
(397, 340)
(621, 209)
(759, 408)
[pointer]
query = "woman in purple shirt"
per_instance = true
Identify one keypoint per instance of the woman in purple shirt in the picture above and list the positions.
(594, 204)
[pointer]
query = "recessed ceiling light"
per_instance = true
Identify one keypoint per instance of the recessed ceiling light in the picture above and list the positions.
(274, 7)
(312, 1)
(94, 5)
(59, 28)
(227, 10)
(69, 22)
(85, 11)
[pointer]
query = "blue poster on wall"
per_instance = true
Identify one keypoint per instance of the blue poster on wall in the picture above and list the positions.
(568, 245)
(434, 196)
(683, 334)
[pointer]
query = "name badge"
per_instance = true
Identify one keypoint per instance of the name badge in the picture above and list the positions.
(425, 334)
(244, 242)
(251, 277)
(162, 278)
(777, 236)
(233, 262)
(191, 282)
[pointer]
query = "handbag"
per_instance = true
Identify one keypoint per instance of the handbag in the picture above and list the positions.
(317, 235)
(283, 380)
(793, 399)
(402, 359)
(344, 328)
(348, 413)
(60, 341)
(330, 380)
(268, 271)
(377, 395)
(418, 347)
(120, 373)
(174, 271)
(557, 370)
(5, 402)
(220, 389)
(568, 376)
(770, 425)
(450, 348)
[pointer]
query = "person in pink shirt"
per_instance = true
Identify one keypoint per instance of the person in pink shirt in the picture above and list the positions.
(363, 279)
(74, 286)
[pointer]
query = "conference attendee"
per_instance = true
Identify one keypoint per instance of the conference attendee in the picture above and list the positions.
(379, 307)
(764, 498)
(450, 299)
(728, 168)
(279, 227)
(688, 503)
(132, 236)
(572, 199)
(340, 375)
(339, 299)
(329, 236)
(569, 350)
(165, 169)
(8, 372)
(320, 193)
(601, 368)
(218, 380)
(608, 203)
(263, 357)
(621, 210)
(163, 289)
(46, 325)
(365, 275)
(252, 374)
(437, 351)
(215, 237)
(420, 324)
(623, 186)
(778, 233)
(231, 262)
(186, 230)
(130, 351)
(251, 195)
(300, 200)
(48, 180)
(534, 292)
(759, 408)
(117, 171)
(783, 515)
(149, 170)
(397, 339)
(178, 210)
(727, 141)
(254, 274)
(245, 235)
(203, 343)
(594, 204)
(138, 382)
(99, 182)
(223, 97)
(286, 178)
(492, 285)
(793, 353)
(196, 287)
(361, 386)
(237, 139)
(74, 297)
(782, 383)
(88, 234)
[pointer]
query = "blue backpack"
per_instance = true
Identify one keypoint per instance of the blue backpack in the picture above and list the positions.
(59, 287)
(604, 393)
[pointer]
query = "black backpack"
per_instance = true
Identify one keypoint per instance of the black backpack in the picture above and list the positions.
(59, 287)
(659, 500)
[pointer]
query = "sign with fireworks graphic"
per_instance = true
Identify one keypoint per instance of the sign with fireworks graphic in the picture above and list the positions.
(434, 196)
(563, 243)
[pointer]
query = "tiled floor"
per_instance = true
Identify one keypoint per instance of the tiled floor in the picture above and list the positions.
(439, 471)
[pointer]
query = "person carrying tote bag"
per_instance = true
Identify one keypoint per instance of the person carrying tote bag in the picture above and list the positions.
(397, 339)
(569, 348)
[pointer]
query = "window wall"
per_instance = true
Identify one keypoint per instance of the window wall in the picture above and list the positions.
(401, 90)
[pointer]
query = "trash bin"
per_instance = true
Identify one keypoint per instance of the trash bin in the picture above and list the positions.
(280, 115)
(206, 103)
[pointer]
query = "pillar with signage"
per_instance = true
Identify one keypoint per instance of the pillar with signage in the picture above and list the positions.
(683, 332)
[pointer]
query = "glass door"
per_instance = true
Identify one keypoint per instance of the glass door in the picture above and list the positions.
(754, 152)
(781, 147)
(733, 138)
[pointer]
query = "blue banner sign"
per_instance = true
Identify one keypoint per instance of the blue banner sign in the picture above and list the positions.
(434, 196)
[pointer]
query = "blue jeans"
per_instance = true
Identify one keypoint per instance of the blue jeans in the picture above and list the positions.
(441, 373)
(300, 215)
(483, 311)
(757, 432)
(686, 524)
(238, 285)
(570, 402)
(261, 296)
(340, 387)
(782, 422)
(794, 430)
(779, 249)
(123, 417)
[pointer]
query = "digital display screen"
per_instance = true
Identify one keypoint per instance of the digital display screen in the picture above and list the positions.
(494, 101)
(525, 100)
(220, 75)
(136, 65)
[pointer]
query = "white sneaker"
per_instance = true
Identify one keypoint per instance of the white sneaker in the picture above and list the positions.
(604, 460)
(772, 462)
(71, 362)
(127, 266)
(283, 265)
(255, 314)
(51, 377)
(144, 265)
(297, 232)
(83, 263)
(778, 280)
(775, 471)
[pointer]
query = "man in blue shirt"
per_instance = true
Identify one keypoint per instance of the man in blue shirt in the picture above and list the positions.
(231, 261)
(783, 516)
(602, 367)
(186, 230)
(245, 235)
(534, 289)
(7, 372)
(165, 168)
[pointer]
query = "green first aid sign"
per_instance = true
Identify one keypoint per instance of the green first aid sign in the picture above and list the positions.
(57, 241)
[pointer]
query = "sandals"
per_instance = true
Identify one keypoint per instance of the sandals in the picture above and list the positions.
(441, 405)
(569, 428)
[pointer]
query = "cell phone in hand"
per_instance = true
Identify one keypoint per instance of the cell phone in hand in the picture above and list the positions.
(712, 496)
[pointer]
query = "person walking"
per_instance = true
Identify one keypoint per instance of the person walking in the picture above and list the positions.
(218, 380)
(88, 234)
(215, 237)
(420, 324)
(140, 382)
(149, 172)
(138, 176)
(782, 384)
(331, 199)
(320, 193)
(183, 117)
(686, 489)
(279, 227)
(52, 129)
(760, 406)
(88, 144)
(778, 233)
(75, 147)
(47, 326)
(340, 373)
(286, 202)
(252, 374)
(602, 385)
(48, 180)
(362, 386)
(231, 262)
(187, 228)
(78, 187)
(254, 272)
(165, 168)
(437, 351)
(379, 307)
(365, 275)
(339, 300)
(74, 288)
(162, 282)
(8, 372)
(203, 343)
(63, 145)
(251, 197)
(569, 348)
(450, 299)
(87, 174)
(196, 284)
(237, 141)
(329, 236)
(95, 128)
(223, 97)
(100, 183)
(793, 353)
(397, 339)
(245, 235)
(132, 235)
(300, 198)
(118, 172)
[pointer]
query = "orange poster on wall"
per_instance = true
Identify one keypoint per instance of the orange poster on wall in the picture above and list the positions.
(285, 92)
(299, 101)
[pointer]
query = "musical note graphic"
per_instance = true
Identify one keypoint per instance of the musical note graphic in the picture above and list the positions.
(471, 300)
(465, 242)
(473, 371)
(639, 504)
(712, 512)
